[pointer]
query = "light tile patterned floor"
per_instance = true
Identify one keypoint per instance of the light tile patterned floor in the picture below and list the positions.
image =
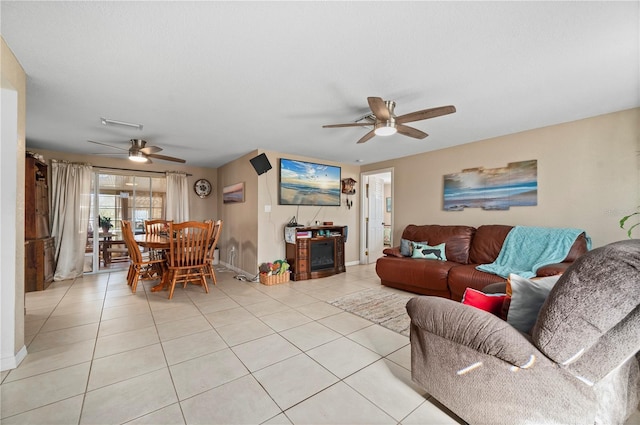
(245, 353)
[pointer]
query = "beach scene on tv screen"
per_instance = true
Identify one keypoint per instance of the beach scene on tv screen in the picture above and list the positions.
(306, 183)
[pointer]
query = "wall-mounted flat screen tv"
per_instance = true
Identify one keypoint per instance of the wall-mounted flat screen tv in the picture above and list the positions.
(308, 183)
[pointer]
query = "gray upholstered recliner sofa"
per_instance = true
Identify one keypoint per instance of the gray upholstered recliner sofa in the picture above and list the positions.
(580, 365)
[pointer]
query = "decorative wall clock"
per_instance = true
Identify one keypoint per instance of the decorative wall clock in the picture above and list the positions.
(202, 187)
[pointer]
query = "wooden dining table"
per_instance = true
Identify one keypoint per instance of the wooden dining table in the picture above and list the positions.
(111, 243)
(159, 243)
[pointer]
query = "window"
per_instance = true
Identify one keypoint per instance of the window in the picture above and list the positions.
(121, 196)
(131, 198)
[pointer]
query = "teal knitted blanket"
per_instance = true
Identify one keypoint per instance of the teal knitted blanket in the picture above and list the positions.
(527, 248)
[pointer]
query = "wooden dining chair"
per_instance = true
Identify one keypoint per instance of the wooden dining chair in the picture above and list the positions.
(156, 226)
(187, 253)
(211, 251)
(141, 267)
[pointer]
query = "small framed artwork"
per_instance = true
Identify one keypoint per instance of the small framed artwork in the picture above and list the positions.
(233, 194)
(388, 204)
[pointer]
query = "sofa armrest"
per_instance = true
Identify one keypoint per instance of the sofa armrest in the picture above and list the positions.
(392, 252)
(473, 328)
(553, 269)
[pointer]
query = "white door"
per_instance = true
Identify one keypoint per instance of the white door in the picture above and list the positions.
(375, 224)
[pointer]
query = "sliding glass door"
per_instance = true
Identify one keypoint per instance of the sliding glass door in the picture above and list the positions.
(116, 196)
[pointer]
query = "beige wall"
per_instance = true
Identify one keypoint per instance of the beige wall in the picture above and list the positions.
(199, 209)
(257, 235)
(14, 78)
(587, 177)
(271, 224)
(240, 226)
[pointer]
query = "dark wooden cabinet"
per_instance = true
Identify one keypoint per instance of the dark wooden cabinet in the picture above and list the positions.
(36, 200)
(39, 248)
(315, 252)
(38, 264)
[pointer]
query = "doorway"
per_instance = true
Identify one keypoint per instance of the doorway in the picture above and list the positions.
(376, 219)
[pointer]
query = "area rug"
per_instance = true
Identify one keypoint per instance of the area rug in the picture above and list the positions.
(386, 308)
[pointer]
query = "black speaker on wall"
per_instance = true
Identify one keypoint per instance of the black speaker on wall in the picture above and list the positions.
(261, 163)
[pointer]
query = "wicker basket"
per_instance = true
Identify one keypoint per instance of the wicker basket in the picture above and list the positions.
(274, 279)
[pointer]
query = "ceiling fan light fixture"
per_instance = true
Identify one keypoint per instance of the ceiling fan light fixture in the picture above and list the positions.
(385, 122)
(106, 121)
(386, 128)
(137, 157)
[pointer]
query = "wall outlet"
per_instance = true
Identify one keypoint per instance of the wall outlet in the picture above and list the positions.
(267, 208)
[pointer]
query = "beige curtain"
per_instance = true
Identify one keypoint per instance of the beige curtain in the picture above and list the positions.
(177, 197)
(70, 203)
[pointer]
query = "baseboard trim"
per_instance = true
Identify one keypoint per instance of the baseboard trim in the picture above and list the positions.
(12, 362)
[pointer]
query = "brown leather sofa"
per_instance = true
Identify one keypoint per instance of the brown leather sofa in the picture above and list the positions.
(465, 248)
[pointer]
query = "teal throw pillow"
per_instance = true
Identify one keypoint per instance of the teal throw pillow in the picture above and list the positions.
(422, 250)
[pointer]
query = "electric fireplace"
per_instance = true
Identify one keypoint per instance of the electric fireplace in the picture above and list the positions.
(322, 255)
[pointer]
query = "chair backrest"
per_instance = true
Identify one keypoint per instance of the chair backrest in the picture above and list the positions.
(156, 226)
(590, 323)
(189, 243)
(215, 235)
(132, 246)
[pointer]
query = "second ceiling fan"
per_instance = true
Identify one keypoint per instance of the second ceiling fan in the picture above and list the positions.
(140, 152)
(386, 123)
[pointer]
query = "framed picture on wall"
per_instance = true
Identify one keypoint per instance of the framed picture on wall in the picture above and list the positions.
(233, 194)
(388, 204)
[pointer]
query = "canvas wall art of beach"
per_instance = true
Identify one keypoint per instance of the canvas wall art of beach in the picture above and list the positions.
(493, 188)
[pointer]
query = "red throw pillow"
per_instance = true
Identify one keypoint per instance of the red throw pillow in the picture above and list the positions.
(487, 302)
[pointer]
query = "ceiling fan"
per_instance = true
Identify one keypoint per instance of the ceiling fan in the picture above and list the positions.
(140, 152)
(386, 123)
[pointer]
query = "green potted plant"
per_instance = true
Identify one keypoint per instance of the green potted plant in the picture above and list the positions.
(624, 219)
(105, 223)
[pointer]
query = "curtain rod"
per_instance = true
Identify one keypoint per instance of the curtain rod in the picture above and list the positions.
(141, 171)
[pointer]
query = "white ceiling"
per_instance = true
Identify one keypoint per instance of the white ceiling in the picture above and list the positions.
(211, 81)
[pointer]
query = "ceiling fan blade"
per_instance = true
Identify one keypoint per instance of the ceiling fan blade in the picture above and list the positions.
(150, 149)
(379, 108)
(367, 136)
(352, 124)
(425, 114)
(165, 158)
(104, 144)
(411, 132)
